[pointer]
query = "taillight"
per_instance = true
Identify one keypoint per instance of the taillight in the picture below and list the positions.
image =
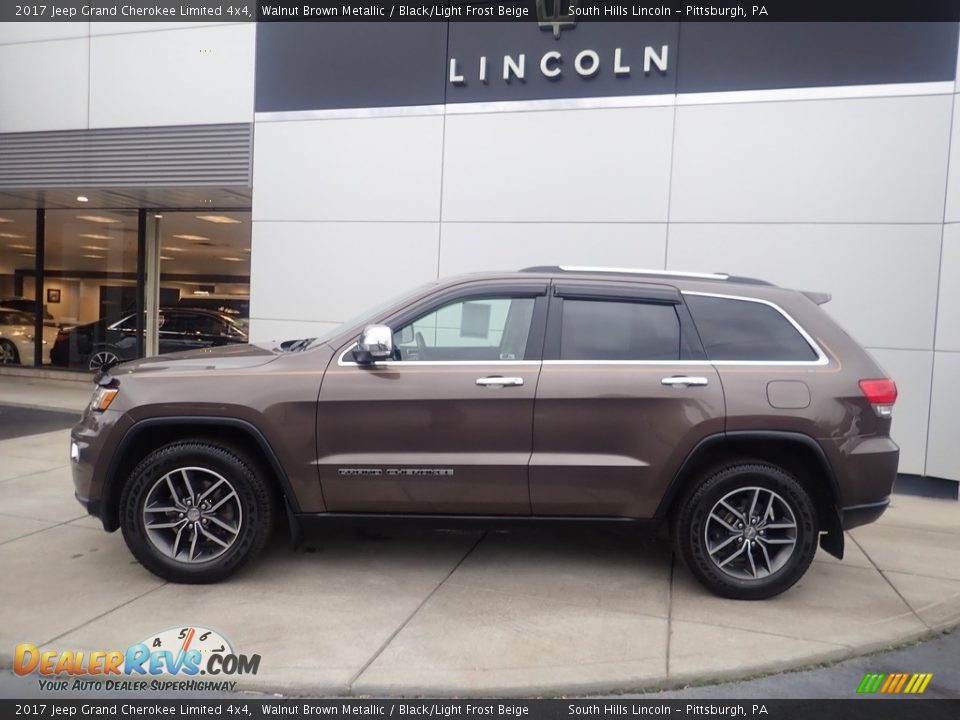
(881, 394)
(62, 337)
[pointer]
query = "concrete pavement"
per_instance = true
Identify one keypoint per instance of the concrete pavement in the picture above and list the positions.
(444, 613)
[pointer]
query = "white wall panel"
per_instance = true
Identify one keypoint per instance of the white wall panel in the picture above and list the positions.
(855, 160)
(43, 85)
(948, 309)
(469, 247)
(266, 330)
(328, 272)
(180, 77)
(359, 169)
(882, 277)
(943, 450)
(952, 213)
(911, 370)
(570, 165)
(18, 32)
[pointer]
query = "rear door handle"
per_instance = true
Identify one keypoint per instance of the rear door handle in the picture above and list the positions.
(497, 381)
(684, 380)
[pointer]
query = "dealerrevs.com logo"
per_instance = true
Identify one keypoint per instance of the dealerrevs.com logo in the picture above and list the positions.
(184, 653)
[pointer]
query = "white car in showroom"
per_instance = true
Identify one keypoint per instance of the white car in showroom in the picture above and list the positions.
(16, 337)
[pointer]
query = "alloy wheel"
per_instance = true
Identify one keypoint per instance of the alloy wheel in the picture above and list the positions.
(8, 354)
(192, 515)
(101, 358)
(750, 533)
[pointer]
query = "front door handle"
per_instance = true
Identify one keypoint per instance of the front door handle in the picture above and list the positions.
(498, 381)
(684, 380)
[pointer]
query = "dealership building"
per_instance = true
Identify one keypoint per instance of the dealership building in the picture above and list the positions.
(289, 174)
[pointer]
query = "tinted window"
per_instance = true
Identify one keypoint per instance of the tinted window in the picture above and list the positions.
(473, 329)
(744, 330)
(610, 330)
(15, 318)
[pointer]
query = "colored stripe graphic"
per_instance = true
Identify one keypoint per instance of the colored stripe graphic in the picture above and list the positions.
(894, 683)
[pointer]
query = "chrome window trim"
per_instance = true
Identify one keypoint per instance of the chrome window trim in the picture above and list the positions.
(821, 360)
(426, 363)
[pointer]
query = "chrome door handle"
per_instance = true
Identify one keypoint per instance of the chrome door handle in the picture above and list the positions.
(683, 380)
(497, 381)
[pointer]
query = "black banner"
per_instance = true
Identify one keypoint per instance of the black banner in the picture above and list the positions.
(490, 709)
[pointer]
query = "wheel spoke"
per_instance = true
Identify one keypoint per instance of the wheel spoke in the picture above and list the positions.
(214, 508)
(176, 540)
(753, 564)
(193, 544)
(753, 503)
(205, 493)
(213, 537)
(173, 493)
(722, 545)
(768, 513)
(724, 523)
(734, 555)
(156, 509)
(740, 516)
(220, 523)
(766, 557)
(186, 481)
(780, 526)
(777, 541)
(164, 526)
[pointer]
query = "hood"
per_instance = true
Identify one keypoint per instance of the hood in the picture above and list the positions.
(227, 357)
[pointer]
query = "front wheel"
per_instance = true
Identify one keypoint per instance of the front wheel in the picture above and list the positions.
(748, 531)
(8, 353)
(195, 511)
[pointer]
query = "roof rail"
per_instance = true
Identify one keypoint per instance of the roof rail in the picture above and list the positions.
(627, 271)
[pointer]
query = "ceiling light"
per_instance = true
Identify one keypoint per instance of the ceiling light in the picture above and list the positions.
(170, 248)
(221, 219)
(158, 216)
(28, 254)
(200, 292)
(92, 247)
(5, 220)
(191, 237)
(94, 236)
(97, 218)
(233, 259)
(165, 257)
(95, 257)
(82, 198)
(20, 247)
(10, 235)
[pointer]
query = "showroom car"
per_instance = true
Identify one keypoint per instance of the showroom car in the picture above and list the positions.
(17, 332)
(109, 341)
(735, 413)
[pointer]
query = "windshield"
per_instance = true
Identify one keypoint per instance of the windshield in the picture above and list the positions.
(369, 315)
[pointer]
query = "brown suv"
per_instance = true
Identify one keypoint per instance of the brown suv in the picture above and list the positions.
(735, 410)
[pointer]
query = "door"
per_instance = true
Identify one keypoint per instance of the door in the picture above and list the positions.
(625, 393)
(447, 425)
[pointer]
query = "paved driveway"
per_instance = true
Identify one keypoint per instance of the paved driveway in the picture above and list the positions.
(446, 613)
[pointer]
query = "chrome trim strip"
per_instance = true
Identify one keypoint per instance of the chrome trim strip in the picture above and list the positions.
(430, 363)
(821, 356)
(642, 271)
(350, 113)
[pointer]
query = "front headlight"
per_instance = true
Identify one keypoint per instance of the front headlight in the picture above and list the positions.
(102, 398)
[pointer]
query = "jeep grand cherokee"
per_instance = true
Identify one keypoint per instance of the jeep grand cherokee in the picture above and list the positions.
(735, 411)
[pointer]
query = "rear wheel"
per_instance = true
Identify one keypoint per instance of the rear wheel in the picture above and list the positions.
(8, 353)
(748, 531)
(195, 511)
(101, 357)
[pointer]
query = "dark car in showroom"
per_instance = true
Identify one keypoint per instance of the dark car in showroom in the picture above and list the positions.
(112, 340)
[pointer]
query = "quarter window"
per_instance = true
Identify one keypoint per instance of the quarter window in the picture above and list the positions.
(744, 330)
(612, 330)
(494, 328)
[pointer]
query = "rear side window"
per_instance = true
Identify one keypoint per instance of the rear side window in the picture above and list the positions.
(744, 330)
(612, 330)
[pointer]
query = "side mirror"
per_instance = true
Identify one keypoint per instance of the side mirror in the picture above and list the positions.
(375, 343)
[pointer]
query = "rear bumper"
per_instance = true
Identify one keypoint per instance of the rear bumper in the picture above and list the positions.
(856, 515)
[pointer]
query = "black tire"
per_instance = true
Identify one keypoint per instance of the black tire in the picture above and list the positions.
(691, 532)
(251, 493)
(9, 355)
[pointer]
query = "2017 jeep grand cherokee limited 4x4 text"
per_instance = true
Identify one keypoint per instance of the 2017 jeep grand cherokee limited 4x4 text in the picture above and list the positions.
(734, 410)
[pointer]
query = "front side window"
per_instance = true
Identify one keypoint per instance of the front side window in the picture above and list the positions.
(491, 329)
(733, 329)
(619, 330)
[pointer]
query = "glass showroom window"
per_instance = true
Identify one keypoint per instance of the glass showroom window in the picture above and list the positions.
(18, 257)
(90, 286)
(204, 297)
